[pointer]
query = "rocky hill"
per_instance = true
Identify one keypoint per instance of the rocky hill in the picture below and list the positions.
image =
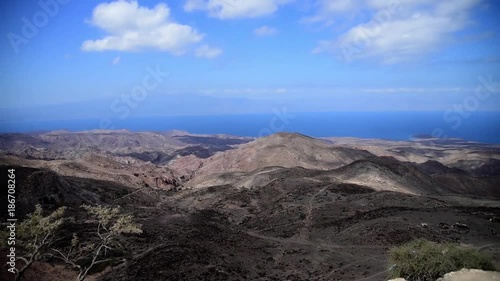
(285, 150)
(284, 207)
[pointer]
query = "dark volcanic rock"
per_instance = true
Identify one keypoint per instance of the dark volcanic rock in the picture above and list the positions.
(436, 168)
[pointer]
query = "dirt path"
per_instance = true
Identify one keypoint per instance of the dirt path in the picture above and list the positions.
(305, 232)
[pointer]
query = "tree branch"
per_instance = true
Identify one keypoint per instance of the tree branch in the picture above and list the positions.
(101, 261)
(96, 254)
(23, 259)
(66, 259)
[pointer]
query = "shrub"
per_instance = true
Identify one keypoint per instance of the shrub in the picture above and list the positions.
(111, 225)
(422, 260)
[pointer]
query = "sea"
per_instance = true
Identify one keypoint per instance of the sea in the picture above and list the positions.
(471, 126)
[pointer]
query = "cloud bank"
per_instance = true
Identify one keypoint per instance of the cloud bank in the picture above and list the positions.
(130, 27)
(235, 9)
(396, 31)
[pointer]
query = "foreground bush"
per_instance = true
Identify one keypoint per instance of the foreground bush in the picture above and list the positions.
(423, 260)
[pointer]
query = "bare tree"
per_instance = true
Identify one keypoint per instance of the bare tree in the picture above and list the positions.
(111, 225)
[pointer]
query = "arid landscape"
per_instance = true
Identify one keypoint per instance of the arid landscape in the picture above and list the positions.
(282, 207)
(250, 140)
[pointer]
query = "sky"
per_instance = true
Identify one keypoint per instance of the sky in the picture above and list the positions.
(74, 59)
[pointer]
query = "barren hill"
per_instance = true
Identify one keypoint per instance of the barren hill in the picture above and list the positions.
(387, 173)
(284, 150)
(51, 190)
(156, 147)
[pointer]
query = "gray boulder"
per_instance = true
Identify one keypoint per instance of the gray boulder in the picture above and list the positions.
(471, 275)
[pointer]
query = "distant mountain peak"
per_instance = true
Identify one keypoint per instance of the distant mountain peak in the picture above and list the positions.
(289, 135)
(177, 133)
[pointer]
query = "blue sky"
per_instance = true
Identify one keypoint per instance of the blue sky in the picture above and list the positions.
(71, 59)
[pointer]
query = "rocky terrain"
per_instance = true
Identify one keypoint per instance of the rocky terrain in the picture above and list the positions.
(284, 207)
(129, 158)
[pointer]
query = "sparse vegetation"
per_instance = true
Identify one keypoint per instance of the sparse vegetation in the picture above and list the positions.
(422, 260)
(291, 213)
(39, 236)
(35, 235)
(110, 225)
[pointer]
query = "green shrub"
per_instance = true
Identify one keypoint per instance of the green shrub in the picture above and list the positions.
(422, 260)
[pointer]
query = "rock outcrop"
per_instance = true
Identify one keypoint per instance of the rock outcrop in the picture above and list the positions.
(471, 275)
(466, 275)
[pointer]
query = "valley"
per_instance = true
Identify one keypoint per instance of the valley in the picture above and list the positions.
(282, 207)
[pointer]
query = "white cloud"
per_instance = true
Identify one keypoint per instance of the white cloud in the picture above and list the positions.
(326, 92)
(208, 52)
(117, 60)
(234, 9)
(414, 90)
(397, 31)
(131, 27)
(338, 5)
(244, 92)
(328, 11)
(265, 31)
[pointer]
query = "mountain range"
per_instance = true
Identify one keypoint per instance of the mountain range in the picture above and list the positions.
(282, 207)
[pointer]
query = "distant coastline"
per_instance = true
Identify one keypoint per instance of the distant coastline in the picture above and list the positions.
(481, 126)
(422, 136)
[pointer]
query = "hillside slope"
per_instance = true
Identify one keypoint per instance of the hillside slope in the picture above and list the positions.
(285, 150)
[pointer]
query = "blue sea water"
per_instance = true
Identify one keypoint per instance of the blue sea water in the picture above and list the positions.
(478, 126)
